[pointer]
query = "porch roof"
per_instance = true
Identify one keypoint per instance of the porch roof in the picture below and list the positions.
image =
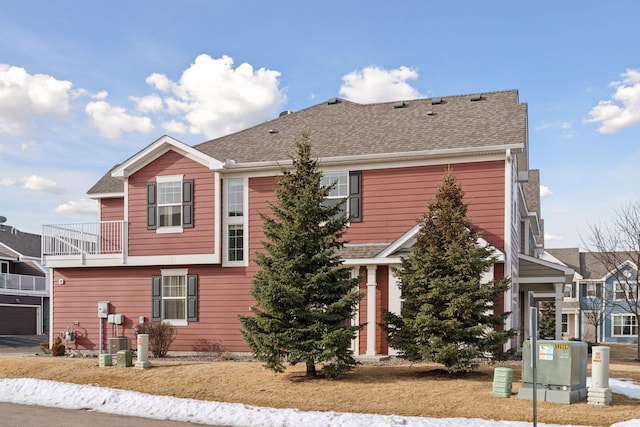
(540, 276)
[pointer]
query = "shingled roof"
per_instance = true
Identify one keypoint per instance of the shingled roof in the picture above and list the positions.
(25, 244)
(340, 128)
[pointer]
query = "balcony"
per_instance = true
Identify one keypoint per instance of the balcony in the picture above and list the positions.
(70, 245)
(23, 285)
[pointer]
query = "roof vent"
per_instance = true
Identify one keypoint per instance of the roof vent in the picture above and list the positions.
(476, 98)
(430, 113)
(399, 104)
(436, 101)
(285, 113)
(272, 131)
(333, 101)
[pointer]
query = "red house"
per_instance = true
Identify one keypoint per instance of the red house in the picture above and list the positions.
(179, 224)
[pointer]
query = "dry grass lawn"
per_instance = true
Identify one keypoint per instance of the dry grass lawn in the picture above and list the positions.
(419, 390)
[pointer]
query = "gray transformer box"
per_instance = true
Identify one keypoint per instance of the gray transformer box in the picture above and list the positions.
(561, 371)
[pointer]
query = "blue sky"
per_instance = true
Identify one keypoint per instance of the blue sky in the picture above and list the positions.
(84, 85)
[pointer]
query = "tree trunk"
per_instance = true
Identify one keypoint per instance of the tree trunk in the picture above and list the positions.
(311, 369)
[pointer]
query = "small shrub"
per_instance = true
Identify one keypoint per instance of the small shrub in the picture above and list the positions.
(58, 349)
(161, 335)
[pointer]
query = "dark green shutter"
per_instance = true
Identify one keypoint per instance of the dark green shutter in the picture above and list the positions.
(152, 206)
(187, 203)
(156, 298)
(355, 196)
(192, 297)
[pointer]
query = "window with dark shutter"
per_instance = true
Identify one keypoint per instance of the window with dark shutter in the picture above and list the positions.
(192, 297)
(187, 203)
(152, 206)
(355, 196)
(156, 298)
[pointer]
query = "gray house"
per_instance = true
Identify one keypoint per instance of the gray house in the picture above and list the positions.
(24, 287)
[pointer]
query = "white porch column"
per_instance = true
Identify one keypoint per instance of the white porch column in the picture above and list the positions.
(371, 310)
(559, 297)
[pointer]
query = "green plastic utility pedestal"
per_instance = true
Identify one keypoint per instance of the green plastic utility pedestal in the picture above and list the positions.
(124, 358)
(105, 360)
(502, 382)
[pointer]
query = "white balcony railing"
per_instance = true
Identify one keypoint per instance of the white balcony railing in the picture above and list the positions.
(23, 284)
(100, 238)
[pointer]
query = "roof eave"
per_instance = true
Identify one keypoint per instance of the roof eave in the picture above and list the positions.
(384, 157)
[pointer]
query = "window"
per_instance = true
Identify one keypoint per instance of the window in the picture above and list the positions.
(625, 291)
(565, 323)
(594, 289)
(174, 297)
(235, 222)
(625, 325)
(236, 243)
(4, 267)
(170, 204)
(347, 190)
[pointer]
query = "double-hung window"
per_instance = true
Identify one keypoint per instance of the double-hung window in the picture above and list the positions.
(625, 291)
(625, 325)
(235, 231)
(594, 289)
(345, 192)
(169, 204)
(174, 297)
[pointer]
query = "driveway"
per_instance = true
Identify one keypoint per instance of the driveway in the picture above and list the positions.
(21, 344)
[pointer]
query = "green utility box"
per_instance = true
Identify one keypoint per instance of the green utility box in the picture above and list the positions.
(502, 382)
(125, 359)
(561, 371)
(105, 360)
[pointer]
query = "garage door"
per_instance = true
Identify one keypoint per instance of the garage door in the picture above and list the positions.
(18, 320)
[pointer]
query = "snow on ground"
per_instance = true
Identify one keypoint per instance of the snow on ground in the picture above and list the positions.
(73, 396)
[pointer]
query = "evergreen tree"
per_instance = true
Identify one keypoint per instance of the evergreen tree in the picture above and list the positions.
(547, 320)
(305, 298)
(447, 316)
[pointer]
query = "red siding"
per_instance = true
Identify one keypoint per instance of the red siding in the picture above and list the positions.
(394, 199)
(196, 240)
(112, 209)
(223, 294)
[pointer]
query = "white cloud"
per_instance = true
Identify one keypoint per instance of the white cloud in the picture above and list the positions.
(174, 126)
(552, 237)
(545, 191)
(148, 104)
(41, 185)
(7, 182)
(375, 84)
(25, 96)
(624, 109)
(215, 99)
(78, 207)
(112, 121)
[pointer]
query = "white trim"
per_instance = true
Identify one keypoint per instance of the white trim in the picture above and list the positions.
(395, 302)
(623, 335)
(217, 215)
(107, 195)
(169, 178)
(174, 271)
(132, 261)
(159, 147)
(241, 220)
(495, 152)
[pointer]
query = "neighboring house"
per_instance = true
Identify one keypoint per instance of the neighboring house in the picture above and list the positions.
(179, 225)
(603, 314)
(24, 287)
